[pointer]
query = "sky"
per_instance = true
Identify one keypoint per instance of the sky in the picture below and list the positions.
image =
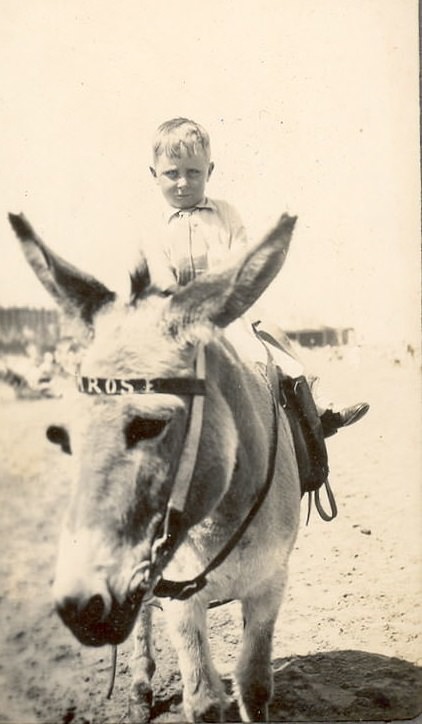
(312, 108)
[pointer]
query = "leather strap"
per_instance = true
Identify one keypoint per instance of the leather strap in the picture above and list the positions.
(189, 454)
(141, 386)
(331, 500)
(182, 590)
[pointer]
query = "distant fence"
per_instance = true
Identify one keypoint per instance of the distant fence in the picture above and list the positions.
(320, 337)
(21, 326)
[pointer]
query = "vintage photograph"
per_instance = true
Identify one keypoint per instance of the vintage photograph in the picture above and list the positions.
(210, 363)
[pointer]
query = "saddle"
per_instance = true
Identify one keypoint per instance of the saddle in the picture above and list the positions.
(296, 399)
(308, 439)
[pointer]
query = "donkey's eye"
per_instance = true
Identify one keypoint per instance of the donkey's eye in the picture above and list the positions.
(141, 428)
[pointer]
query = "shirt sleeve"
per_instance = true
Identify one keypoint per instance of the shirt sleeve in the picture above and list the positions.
(161, 271)
(238, 237)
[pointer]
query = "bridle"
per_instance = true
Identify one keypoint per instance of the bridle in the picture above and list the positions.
(182, 590)
(194, 387)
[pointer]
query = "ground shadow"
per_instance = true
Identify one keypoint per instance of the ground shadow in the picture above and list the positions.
(346, 686)
(337, 686)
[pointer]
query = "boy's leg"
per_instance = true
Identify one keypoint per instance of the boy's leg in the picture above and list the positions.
(285, 359)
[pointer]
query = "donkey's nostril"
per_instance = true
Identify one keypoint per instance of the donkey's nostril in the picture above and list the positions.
(73, 610)
(94, 610)
(100, 618)
(68, 610)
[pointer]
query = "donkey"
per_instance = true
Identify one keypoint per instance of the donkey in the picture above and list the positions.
(184, 466)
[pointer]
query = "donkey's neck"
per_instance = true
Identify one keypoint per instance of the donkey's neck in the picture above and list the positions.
(238, 370)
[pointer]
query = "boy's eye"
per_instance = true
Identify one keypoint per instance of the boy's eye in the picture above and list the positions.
(171, 175)
(193, 172)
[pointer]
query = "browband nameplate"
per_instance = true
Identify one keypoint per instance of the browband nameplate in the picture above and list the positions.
(163, 385)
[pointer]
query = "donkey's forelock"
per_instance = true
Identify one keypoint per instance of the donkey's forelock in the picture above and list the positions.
(145, 338)
(182, 327)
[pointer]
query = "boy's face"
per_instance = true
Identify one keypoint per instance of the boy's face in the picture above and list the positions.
(182, 180)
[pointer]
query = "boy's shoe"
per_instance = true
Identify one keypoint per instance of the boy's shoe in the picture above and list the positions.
(350, 415)
(333, 421)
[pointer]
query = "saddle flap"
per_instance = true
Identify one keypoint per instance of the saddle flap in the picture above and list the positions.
(308, 436)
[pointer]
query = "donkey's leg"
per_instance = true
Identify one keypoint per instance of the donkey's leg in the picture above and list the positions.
(254, 676)
(204, 698)
(142, 669)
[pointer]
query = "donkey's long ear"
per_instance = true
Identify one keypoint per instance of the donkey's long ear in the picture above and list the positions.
(76, 292)
(140, 278)
(222, 297)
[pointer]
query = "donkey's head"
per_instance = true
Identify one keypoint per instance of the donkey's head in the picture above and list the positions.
(138, 389)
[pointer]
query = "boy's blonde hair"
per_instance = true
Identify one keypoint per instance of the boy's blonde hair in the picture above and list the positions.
(181, 134)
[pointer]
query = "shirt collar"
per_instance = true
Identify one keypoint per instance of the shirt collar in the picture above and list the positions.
(170, 212)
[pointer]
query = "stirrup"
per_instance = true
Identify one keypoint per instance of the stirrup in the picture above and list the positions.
(331, 500)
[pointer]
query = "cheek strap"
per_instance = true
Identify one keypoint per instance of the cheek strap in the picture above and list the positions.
(173, 523)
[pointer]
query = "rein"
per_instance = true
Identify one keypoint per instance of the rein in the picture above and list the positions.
(182, 590)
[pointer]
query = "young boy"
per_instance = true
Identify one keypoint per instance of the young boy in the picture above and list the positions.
(195, 233)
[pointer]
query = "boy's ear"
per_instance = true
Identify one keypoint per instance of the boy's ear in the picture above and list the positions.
(153, 171)
(210, 170)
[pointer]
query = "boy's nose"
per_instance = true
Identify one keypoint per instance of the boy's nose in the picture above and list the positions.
(181, 182)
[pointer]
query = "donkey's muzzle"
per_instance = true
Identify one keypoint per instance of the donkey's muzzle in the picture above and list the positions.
(97, 621)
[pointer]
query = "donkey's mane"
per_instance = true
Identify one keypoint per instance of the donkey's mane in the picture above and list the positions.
(182, 330)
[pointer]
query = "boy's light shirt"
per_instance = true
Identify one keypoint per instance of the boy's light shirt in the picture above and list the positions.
(184, 243)
(208, 235)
